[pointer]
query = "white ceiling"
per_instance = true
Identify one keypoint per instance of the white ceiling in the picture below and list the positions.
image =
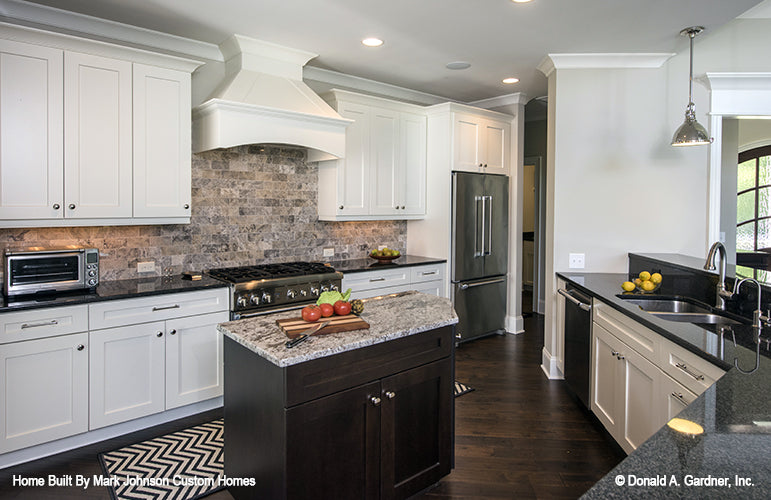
(498, 37)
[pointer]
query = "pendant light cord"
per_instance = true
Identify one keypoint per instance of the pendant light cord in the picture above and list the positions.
(691, 36)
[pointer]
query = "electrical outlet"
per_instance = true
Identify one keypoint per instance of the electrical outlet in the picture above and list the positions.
(380, 247)
(329, 252)
(576, 261)
(146, 267)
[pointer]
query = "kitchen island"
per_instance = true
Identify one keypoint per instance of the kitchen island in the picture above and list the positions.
(360, 414)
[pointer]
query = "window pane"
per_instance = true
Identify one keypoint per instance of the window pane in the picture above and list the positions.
(746, 177)
(765, 170)
(764, 202)
(745, 206)
(764, 233)
(745, 237)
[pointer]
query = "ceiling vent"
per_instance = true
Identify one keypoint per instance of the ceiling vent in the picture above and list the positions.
(263, 100)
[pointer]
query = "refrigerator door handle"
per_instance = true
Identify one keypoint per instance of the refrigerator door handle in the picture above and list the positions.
(464, 286)
(479, 242)
(489, 220)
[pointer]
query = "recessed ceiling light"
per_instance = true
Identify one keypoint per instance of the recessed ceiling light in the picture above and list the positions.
(458, 65)
(521, 1)
(510, 79)
(372, 42)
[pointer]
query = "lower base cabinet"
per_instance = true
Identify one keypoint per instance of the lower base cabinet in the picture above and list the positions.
(388, 436)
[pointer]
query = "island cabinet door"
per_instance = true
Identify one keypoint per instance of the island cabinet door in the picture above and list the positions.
(417, 429)
(333, 446)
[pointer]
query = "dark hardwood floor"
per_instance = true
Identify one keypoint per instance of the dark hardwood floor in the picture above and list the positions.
(518, 435)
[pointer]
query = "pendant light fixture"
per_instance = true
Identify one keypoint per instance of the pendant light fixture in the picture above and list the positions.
(691, 133)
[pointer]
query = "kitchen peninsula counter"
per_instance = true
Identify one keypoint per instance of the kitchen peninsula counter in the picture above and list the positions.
(361, 414)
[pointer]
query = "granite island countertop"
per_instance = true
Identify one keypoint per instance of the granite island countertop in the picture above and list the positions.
(370, 264)
(390, 317)
(735, 414)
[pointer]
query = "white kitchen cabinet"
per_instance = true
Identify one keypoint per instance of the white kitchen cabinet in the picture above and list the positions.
(675, 398)
(126, 373)
(31, 131)
(44, 390)
(162, 142)
(194, 366)
(481, 144)
(626, 390)
(695, 373)
(428, 278)
(383, 174)
(90, 139)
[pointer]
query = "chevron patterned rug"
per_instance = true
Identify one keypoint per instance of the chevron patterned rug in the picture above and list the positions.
(184, 465)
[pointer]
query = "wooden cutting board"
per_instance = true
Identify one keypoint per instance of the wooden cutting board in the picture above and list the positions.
(293, 327)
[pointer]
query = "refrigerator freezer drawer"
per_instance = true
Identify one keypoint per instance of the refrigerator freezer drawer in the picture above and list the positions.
(481, 307)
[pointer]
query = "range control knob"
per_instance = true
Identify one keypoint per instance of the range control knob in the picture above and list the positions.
(254, 299)
(266, 298)
(290, 294)
(241, 301)
(315, 291)
(333, 287)
(324, 288)
(303, 293)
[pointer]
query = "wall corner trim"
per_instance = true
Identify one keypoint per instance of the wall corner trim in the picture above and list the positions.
(602, 61)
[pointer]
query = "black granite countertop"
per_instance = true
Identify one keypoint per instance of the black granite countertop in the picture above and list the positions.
(111, 290)
(735, 414)
(370, 264)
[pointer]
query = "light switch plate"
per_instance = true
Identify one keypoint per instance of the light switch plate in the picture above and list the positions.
(146, 267)
(329, 252)
(576, 261)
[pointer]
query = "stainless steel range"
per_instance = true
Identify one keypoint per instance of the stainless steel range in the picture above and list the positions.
(263, 289)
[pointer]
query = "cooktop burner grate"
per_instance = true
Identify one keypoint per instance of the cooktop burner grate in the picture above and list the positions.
(244, 274)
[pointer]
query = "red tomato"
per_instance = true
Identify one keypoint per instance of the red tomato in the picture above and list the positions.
(311, 313)
(342, 308)
(327, 310)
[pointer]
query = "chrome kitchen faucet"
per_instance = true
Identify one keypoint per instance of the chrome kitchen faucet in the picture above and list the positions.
(718, 249)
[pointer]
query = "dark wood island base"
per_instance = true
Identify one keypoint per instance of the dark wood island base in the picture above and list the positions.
(374, 422)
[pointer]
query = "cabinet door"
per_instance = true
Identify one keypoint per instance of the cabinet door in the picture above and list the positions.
(496, 147)
(126, 376)
(353, 171)
(607, 400)
(417, 428)
(384, 157)
(333, 446)
(467, 143)
(641, 394)
(675, 397)
(44, 390)
(31, 132)
(411, 175)
(193, 359)
(161, 119)
(97, 148)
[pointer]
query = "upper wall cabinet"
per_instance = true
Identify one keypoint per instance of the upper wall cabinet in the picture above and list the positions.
(481, 144)
(383, 174)
(92, 138)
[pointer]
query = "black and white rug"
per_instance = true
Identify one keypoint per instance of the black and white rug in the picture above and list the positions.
(183, 465)
(461, 389)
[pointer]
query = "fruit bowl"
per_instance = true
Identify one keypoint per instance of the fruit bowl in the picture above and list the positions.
(384, 258)
(640, 289)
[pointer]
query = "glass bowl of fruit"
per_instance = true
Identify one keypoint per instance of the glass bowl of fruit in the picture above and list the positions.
(647, 282)
(385, 254)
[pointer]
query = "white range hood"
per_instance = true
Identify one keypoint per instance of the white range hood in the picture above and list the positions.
(264, 100)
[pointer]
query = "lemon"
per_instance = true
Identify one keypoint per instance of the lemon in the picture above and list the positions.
(645, 275)
(628, 286)
(638, 281)
(656, 278)
(648, 285)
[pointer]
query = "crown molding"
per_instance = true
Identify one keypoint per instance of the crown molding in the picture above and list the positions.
(517, 98)
(602, 61)
(71, 23)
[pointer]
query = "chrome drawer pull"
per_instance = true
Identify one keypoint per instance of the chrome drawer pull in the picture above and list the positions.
(428, 273)
(175, 306)
(376, 279)
(35, 325)
(689, 372)
(678, 396)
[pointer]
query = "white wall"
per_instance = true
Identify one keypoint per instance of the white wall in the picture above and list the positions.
(754, 133)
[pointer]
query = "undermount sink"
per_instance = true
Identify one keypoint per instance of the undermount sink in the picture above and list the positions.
(681, 309)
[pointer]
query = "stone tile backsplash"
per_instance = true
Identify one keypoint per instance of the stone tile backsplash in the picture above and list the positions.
(250, 204)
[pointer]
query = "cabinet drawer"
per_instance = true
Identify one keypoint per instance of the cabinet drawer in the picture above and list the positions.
(376, 279)
(641, 339)
(157, 308)
(694, 372)
(431, 272)
(323, 376)
(41, 323)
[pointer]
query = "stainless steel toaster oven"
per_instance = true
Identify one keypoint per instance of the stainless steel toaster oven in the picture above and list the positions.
(33, 270)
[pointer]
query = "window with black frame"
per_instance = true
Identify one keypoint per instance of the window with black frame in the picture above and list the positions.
(753, 200)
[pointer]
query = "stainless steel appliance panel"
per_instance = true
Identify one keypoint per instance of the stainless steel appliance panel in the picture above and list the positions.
(467, 249)
(481, 307)
(35, 270)
(496, 220)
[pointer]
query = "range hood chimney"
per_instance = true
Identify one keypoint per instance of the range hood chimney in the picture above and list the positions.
(264, 100)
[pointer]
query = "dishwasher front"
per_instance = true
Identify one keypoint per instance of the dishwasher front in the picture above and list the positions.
(578, 336)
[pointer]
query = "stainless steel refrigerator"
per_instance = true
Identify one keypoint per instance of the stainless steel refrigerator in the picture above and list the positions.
(480, 235)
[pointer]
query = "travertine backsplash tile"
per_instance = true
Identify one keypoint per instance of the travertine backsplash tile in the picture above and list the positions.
(251, 204)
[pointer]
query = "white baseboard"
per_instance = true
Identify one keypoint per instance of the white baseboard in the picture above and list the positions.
(515, 324)
(91, 437)
(549, 365)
